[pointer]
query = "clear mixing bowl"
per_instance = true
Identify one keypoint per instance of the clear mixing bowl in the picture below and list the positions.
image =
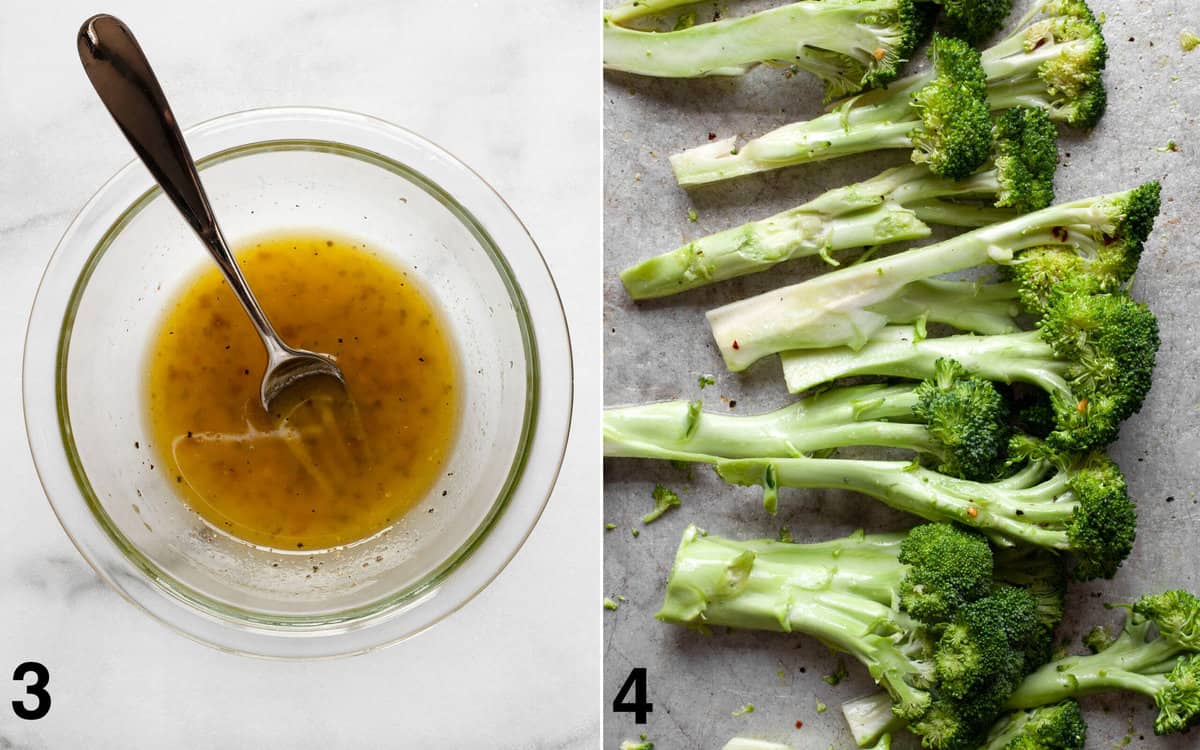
(128, 254)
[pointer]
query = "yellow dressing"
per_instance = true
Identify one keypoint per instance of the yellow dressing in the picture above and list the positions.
(307, 482)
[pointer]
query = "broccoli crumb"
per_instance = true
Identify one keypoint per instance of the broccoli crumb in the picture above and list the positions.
(1188, 41)
(1171, 146)
(664, 500)
(635, 533)
(821, 707)
(610, 605)
(838, 674)
(609, 526)
(746, 709)
(631, 745)
(785, 535)
(1098, 638)
(692, 215)
(705, 380)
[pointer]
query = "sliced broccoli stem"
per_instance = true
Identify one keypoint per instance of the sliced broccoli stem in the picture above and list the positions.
(1039, 515)
(838, 592)
(1130, 663)
(871, 717)
(759, 245)
(835, 309)
(829, 136)
(732, 46)
(679, 431)
(631, 10)
(893, 351)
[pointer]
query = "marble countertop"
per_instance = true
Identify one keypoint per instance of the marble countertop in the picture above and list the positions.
(656, 350)
(519, 667)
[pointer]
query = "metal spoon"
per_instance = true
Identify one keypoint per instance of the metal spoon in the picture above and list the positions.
(126, 84)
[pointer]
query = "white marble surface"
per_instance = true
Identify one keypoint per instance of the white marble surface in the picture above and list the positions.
(513, 89)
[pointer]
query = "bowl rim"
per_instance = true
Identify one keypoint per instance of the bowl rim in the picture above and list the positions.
(511, 515)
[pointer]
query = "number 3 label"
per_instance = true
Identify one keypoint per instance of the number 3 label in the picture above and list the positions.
(37, 701)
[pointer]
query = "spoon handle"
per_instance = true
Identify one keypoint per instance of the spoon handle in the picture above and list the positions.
(121, 75)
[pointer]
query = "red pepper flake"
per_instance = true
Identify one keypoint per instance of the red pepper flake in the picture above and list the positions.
(735, 344)
(972, 511)
(712, 136)
(1060, 233)
(879, 53)
(799, 724)
(1081, 407)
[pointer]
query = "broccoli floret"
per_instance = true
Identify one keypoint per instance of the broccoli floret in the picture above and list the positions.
(1155, 655)
(958, 422)
(891, 207)
(944, 118)
(975, 20)
(849, 44)
(849, 305)
(1078, 503)
(1055, 727)
(906, 606)
(664, 500)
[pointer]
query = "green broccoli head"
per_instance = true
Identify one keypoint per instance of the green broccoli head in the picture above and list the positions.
(1176, 614)
(1056, 727)
(969, 417)
(951, 725)
(1105, 521)
(1026, 157)
(898, 30)
(975, 20)
(955, 134)
(1133, 214)
(947, 566)
(1179, 702)
(984, 648)
(1074, 89)
(1098, 638)
(1111, 343)
(1040, 572)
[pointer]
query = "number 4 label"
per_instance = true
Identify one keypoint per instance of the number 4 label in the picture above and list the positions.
(639, 706)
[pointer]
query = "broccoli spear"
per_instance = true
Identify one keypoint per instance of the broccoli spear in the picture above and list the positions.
(960, 421)
(849, 44)
(1053, 61)
(1157, 655)
(1076, 504)
(945, 121)
(842, 308)
(1093, 355)
(891, 207)
(921, 610)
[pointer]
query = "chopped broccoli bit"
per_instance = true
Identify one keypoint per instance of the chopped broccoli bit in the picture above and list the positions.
(785, 535)
(837, 675)
(821, 707)
(705, 380)
(609, 604)
(1171, 146)
(1188, 41)
(631, 745)
(746, 709)
(664, 500)
(635, 533)
(692, 215)
(609, 526)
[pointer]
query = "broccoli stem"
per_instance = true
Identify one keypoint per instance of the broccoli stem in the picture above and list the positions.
(759, 245)
(839, 592)
(856, 131)
(834, 309)
(871, 717)
(1005, 358)
(732, 46)
(876, 211)
(631, 10)
(1130, 663)
(679, 431)
(1038, 515)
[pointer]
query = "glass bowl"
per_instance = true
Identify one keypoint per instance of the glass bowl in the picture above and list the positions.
(128, 254)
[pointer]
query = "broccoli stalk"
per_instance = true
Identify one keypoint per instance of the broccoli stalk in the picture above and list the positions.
(1053, 61)
(959, 421)
(849, 44)
(920, 610)
(1079, 504)
(891, 207)
(841, 308)
(1157, 655)
(945, 121)
(1053, 727)
(1093, 355)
